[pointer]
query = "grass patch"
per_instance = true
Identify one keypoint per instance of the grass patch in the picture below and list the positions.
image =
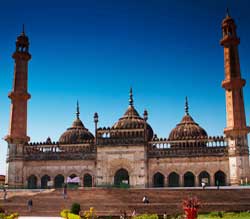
(225, 215)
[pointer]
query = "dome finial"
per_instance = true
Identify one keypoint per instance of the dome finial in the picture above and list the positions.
(131, 101)
(227, 13)
(77, 110)
(23, 31)
(186, 106)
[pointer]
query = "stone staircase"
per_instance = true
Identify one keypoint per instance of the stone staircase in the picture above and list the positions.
(111, 201)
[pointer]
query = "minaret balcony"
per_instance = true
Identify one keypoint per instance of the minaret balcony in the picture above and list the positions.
(16, 139)
(21, 55)
(19, 95)
(229, 40)
(235, 131)
(233, 83)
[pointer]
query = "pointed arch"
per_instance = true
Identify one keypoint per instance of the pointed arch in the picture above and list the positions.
(204, 177)
(173, 179)
(220, 178)
(44, 181)
(87, 180)
(158, 180)
(32, 182)
(59, 181)
(189, 179)
(121, 176)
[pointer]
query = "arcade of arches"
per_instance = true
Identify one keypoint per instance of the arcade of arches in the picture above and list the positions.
(189, 179)
(46, 181)
(122, 177)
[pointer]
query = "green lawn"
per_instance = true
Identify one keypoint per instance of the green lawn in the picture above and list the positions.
(228, 215)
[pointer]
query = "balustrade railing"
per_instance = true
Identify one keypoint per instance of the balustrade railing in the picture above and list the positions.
(109, 136)
(57, 152)
(211, 146)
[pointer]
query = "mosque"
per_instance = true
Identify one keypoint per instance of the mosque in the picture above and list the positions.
(129, 153)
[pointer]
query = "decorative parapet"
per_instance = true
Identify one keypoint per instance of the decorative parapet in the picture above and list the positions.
(49, 142)
(59, 152)
(109, 136)
(211, 146)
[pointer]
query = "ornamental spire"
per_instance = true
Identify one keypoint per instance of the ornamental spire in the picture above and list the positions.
(77, 110)
(23, 31)
(131, 100)
(186, 106)
(227, 13)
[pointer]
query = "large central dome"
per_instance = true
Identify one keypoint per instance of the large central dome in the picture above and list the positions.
(77, 133)
(187, 129)
(132, 120)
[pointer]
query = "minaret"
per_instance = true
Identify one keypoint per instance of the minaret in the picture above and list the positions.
(236, 130)
(19, 96)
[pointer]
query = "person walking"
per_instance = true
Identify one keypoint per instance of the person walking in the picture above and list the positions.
(121, 214)
(30, 204)
(5, 194)
(65, 191)
(145, 200)
(134, 213)
(217, 184)
(203, 184)
(165, 216)
(124, 215)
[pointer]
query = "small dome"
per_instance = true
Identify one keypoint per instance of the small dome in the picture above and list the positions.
(132, 120)
(187, 128)
(77, 133)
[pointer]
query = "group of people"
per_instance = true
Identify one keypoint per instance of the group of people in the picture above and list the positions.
(123, 214)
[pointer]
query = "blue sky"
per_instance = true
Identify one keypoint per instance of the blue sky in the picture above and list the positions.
(94, 51)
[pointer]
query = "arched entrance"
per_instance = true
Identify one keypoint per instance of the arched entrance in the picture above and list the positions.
(44, 181)
(173, 180)
(59, 180)
(158, 180)
(204, 177)
(121, 177)
(87, 180)
(32, 182)
(189, 179)
(220, 178)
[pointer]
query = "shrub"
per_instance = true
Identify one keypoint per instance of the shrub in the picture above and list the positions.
(64, 213)
(75, 208)
(146, 216)
(12, 216)
(90, 214)
(73, 216)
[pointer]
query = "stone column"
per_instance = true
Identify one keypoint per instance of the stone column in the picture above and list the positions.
(212, 183)
(181, 180)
